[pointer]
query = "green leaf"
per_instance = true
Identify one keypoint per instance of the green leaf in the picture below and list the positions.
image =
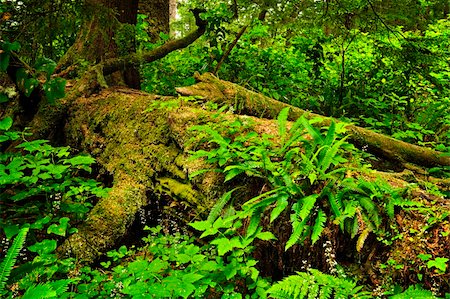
(297, 232)
(157, 265)
(11, 230)
(424, 256)
(60, 286)
(330, 154)
(225, 245)
(191, 277)
(40, 291)
(60, 229)
(439, 262)
(44, 247)
(11, 255)
(80, 160)
(3, 98)
(218, 207)
(282, 203)
(201, 225)
(232, 171)
(8, 47)
(330, 134)
(4, 61)
(6, 123)
(282, 120)
(307, 205)
(45, 65)
(54, 89)
(29, 85)
(318, 138)
(265, 236)
(319, 226)
(32, 146)
(254, 223)
(209, 266)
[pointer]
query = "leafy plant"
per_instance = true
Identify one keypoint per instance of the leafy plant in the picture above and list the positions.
(43, 193)
(11, 256)
(27, 79)
(315, 284)
(415, 291)
(174, 266)
(305, 174)
(43, 178)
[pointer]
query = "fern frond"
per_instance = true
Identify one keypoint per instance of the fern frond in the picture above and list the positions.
(415, 291)
(282, 120)
(330, 134)
(371, 210)
(362, 238)
(316, 135)
(297, 232)
(319, 226)
(40, 291)
(11, 257)
(218, 207)
(253, 225)
(330, 154)
(315, 284)
(308, 203)
(336, 204)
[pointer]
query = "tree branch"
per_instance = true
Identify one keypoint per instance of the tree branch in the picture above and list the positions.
(114, 64)
(261, 17)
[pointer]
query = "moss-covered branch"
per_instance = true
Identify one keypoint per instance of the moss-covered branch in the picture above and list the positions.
(111, 65)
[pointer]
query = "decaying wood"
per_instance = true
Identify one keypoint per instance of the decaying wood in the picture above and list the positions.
(252, 103)
(143, 153)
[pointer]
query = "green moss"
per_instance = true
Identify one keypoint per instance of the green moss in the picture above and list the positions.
(180, 191)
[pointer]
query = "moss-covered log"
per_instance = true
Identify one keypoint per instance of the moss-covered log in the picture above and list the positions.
(252, 103)
(136, 148)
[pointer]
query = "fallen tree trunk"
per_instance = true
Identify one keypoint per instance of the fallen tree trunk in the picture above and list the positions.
(252, 103)
(138, 151)
(144, 151)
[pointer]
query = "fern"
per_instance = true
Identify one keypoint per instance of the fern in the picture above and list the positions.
(318, 138)
(282, 119)
(297, 232)
(319, 226)
(218, 207)
(48, 290)
(336, 204)
(308, 203)
(315, 284)
(415, 292)
(11, 257)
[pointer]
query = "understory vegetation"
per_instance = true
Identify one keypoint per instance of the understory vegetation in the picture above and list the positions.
(382, 70)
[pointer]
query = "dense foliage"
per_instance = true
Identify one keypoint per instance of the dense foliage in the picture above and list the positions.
(381, 64)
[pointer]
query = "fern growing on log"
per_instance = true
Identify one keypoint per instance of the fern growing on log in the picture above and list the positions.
(315, 284)
(11, 257)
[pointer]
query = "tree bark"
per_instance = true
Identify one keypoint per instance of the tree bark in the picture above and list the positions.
(158, 13)
(104, 36)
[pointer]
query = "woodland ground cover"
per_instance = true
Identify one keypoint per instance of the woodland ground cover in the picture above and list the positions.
(305, 174)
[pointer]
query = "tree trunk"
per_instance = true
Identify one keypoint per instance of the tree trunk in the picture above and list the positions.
(104, 35)
(158, 13)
